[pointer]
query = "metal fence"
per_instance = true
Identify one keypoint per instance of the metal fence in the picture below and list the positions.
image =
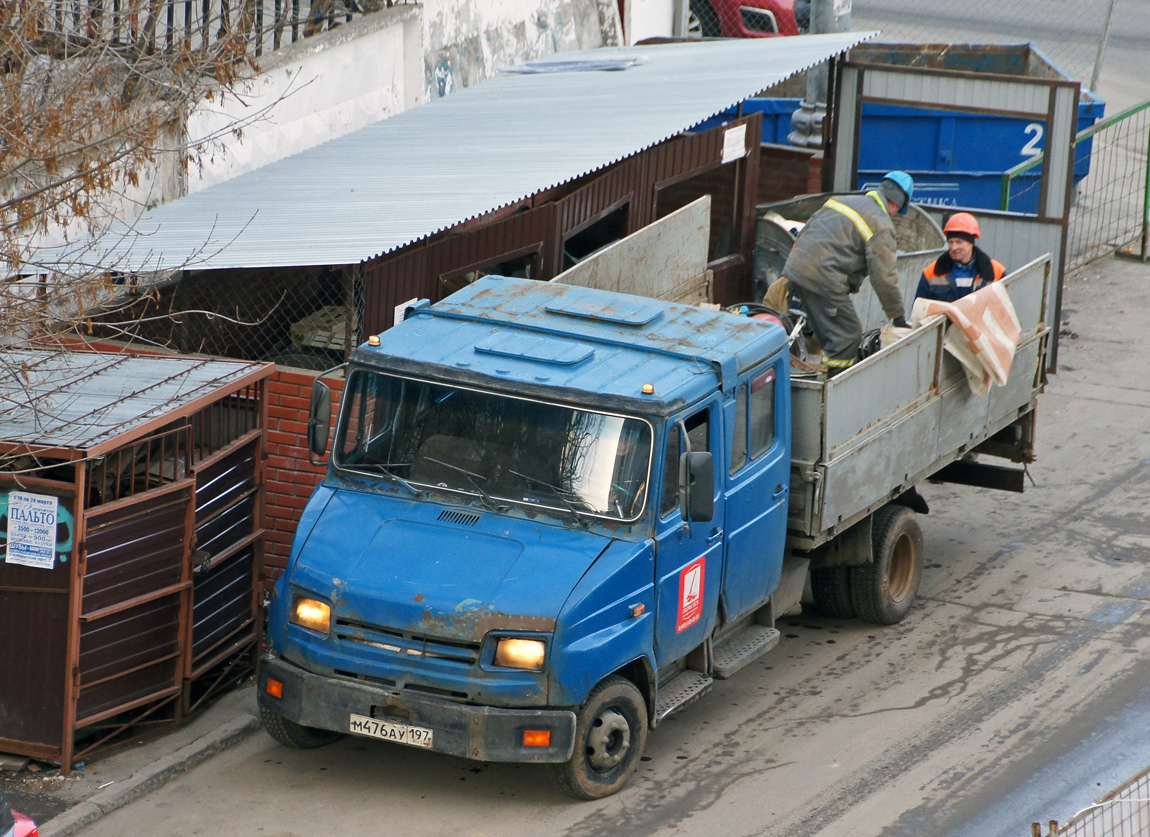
(1124, 812)
(165, 25)
(1111, 205)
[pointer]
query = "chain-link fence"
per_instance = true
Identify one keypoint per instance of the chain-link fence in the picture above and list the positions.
(303, 317)
(1069, 32)
(746, 18)
(1073, 34)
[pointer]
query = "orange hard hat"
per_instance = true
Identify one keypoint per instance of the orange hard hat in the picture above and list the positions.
(962, 222)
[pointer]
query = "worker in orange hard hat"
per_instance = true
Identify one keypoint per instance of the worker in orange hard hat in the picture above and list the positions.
(963, 268)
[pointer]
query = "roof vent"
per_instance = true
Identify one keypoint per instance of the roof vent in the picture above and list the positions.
(460, 517)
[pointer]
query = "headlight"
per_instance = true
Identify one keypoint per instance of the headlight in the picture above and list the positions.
(310, 613)
(520, 653)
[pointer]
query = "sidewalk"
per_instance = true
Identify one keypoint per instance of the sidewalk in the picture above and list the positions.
(112, 781)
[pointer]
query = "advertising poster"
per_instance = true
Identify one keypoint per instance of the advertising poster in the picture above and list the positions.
(32, 530)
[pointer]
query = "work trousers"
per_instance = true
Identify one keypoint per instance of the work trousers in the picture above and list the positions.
(834, 321)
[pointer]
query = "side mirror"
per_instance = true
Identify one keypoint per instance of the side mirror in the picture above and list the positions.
(696, 486)
(319, 423)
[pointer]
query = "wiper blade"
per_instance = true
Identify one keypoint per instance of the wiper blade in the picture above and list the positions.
(472, 478)
(558, 492)
(381, 468)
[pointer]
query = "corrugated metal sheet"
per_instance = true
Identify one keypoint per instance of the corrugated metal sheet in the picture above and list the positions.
(481, 148)
(78, 400)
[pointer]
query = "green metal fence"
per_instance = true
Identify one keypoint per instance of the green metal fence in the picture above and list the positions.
(1110, 212)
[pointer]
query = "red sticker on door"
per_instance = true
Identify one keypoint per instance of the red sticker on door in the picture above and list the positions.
(690, 594)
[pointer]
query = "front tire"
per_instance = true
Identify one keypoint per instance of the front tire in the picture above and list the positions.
(291, 734)
(885, 588)
(610, 734)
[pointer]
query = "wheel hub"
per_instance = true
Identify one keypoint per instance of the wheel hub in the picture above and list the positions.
(901, 567)
(608, 740)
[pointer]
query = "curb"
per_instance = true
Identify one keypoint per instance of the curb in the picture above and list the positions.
(149, 778)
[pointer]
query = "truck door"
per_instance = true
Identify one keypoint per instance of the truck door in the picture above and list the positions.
(758, 479)
(688, 559)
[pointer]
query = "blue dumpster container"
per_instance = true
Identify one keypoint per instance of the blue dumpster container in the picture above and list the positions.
(957, 158)
(776, 117)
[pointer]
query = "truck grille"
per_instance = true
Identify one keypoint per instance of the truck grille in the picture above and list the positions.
(411, 646)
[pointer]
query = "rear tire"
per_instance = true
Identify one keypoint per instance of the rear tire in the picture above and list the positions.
(291, 734)
(885, 588)
(610, 734)
(831, 588)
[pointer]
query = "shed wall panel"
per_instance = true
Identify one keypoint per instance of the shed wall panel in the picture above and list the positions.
(137, 549)
(33, 661)
(223, 601)
(129, 655)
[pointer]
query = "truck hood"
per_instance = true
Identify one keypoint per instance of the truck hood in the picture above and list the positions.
(434, 570)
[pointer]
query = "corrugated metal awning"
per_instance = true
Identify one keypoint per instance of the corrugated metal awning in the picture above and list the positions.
(82, 400)
(439, 164)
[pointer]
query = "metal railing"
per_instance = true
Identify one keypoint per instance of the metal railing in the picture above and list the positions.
(1110, 212)
(1124, 812)
(60, 26)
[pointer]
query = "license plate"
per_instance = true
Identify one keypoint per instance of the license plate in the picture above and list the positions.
(391, 731)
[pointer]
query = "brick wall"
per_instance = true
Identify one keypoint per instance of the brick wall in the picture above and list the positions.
(289, 476)
(785, 172)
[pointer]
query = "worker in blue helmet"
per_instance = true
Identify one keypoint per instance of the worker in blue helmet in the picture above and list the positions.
(848, 238)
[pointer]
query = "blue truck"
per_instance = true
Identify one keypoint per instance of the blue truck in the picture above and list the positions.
(553, 515)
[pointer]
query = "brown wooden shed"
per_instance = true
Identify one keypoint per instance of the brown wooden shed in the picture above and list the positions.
(131, 493)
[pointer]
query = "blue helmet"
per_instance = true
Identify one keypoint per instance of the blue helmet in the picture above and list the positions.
(905, 184)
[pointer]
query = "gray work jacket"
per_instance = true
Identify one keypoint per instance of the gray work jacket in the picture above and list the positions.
(841, 244)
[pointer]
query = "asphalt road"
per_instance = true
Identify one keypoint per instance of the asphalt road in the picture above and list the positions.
(1014, 692)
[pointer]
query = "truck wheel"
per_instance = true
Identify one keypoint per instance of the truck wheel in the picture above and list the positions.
(610, 734)
(831, 588)
(885, 588)
(291, 734)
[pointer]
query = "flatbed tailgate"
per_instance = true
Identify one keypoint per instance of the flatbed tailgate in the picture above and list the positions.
(874, 431)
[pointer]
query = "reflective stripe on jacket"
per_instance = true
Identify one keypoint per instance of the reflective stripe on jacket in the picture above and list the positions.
(847, 239)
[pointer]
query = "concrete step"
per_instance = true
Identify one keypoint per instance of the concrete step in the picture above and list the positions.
(683, 688)
(742, 648)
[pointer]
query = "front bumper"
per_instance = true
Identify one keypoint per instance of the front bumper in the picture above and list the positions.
(484, 733)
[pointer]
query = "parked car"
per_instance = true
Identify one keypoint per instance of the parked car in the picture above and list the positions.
(747, 18)
(13, 823)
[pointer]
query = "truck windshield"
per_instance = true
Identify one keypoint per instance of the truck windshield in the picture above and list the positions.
(496, 447)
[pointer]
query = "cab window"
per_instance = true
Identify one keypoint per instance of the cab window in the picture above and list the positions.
(699, 434)
(762, 413)
(754, 431)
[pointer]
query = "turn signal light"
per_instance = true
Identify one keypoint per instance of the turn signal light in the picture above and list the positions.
(536, 738)
(274, 688)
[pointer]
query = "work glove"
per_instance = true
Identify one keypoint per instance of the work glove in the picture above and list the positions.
(899, 322)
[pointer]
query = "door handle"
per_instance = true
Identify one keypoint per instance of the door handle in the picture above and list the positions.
(715, 536)
(780, 490)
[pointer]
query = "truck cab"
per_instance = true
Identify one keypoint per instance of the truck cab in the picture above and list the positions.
(552, 515)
